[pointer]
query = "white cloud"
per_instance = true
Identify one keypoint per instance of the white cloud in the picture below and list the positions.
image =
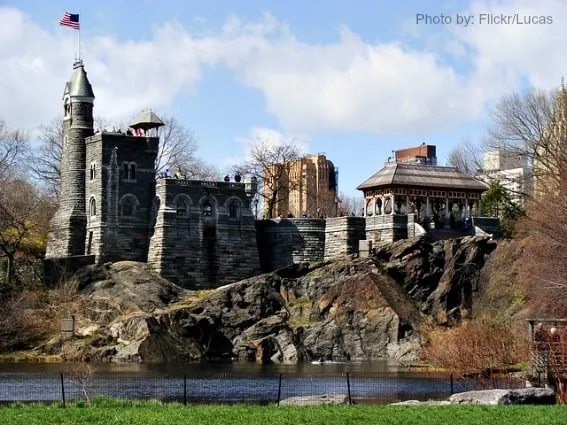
(349, 85)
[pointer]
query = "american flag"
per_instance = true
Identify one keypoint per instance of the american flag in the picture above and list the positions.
(70, 20)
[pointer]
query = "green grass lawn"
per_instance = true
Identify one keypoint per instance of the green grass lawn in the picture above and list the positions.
(172, 414)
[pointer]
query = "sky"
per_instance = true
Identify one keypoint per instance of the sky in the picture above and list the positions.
(351, 79)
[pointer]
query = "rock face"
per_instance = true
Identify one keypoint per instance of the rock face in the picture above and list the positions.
(350, 309)
(128, 284)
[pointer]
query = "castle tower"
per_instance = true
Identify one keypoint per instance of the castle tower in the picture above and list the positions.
(120, 190)
(68, 226)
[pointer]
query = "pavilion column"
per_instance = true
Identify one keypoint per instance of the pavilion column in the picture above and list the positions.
(366, 202)
(393, 203)
(427, 206)
(407, 205)
(479, 210)
(383, 207)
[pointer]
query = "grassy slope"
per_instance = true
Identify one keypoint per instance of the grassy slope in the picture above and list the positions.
(252, 415)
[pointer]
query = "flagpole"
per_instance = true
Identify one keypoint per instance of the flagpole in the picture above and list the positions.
(79, 39)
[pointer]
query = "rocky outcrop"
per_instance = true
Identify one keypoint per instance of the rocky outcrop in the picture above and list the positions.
(130, 285)
(350, 309)
(441, 277)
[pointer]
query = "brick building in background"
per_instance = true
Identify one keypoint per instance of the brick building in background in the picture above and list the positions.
(307, 187)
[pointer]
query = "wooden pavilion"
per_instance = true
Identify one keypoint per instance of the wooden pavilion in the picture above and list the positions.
(429, 191)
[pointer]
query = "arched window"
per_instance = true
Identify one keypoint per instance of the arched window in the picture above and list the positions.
(181, 208)
(233, 209)
(92, 207)
(93, 171)
(67, 107)
(129, 170)
(369, 209)
(207, 209)
(378, 209)
(128, 206)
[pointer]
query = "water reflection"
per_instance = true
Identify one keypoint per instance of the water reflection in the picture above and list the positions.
(221, 382)
(238, 368)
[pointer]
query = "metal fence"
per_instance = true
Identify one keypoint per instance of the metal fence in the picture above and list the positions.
(354, 388)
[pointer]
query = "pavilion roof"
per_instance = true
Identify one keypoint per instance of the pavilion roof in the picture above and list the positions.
(422, 176)
(146, 120)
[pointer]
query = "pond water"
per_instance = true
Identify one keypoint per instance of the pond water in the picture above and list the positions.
(366, 382)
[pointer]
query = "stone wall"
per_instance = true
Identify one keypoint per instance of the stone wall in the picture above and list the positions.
(200, 248)
(386, 228)
(285, 241)
(342, 235)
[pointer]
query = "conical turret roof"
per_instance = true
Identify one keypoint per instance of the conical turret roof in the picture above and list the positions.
(80, 85)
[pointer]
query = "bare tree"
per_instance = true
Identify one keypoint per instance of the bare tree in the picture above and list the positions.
(533, 126)
(350, 205)
(177, 145)
(271, 164)
(177, 149)
(13, 147)
(45, 163)
(466, 157)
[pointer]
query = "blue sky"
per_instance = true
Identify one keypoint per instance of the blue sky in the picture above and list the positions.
(353, 79)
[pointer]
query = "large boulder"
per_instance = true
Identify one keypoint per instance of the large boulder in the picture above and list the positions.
(314, 400)
(517, 396)
(129, 286)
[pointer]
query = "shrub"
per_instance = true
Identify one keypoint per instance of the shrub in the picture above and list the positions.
(482, 344)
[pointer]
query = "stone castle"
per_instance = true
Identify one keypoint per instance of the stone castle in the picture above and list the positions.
(202, 234)
(112, 207)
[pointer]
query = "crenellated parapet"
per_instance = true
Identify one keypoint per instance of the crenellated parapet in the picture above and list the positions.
(204, 234)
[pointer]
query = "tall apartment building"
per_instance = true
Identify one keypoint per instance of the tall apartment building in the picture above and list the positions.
(306, 187)
(511, 169)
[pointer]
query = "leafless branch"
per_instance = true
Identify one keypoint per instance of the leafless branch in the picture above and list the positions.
(13, 147)
(271, 164)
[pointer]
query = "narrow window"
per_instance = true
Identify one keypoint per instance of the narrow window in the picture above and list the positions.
(92, 207)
